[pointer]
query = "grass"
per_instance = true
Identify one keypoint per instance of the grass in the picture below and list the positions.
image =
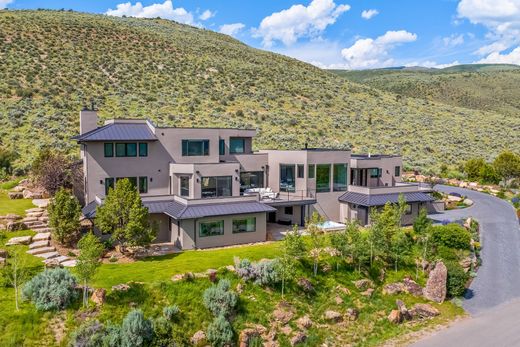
(17, 206)
(155, 269)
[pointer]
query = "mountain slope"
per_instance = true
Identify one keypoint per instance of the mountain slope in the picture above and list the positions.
(53, 63)
(484, 87)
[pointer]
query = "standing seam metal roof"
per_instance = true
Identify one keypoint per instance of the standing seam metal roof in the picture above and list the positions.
(119, 132)
(382, 199)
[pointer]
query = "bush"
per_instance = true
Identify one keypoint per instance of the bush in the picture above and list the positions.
(262, 273)
(135, 330)
(244, 269)
(162, 330)
(451, 235)
(457, 279)
(220, 332)
(51, 290)
(446, 253)
(89, 334)
(170, 312)
(112, 336)
(219, 299)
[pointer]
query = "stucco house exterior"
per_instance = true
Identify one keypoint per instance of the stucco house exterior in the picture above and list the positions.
(206, 187)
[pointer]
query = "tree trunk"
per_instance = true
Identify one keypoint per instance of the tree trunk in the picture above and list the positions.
(16, 296)
(283, 284)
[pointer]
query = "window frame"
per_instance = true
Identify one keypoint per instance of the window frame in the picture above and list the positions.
(141, 179)
(141, 146)
(110, 182)
(111, 146)
(311, 171)
(185, 147)
(288, 189)
(259, 176)
(119, 145)
(300, 171)
(187, 179)
(323, 189)
(231, 148)
(247, 220)
(127, 146)
(221, 225)
(221, 147)
(334, 182)
(379, 172)
(397, 171)
(229, 180)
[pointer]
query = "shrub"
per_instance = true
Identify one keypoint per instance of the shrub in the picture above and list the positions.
(447, 253)
(220, 332)
(51, 290)
(135, 330)
(244, 269)
(89, 334)
(64, 215)
(262, 273)
(451, 235)
(170, 312)
(112, 336)
(457, 279)
(219, 299)
(162, 330)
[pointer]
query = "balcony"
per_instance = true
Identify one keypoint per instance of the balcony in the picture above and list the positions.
(297, 197)
(397, 188)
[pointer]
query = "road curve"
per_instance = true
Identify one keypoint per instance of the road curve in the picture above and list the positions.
(493, 298)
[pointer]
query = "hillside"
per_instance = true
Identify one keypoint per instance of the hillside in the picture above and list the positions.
(484, 87)
(53, 63)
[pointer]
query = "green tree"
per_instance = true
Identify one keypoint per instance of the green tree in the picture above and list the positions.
(293, 243)
(507, 166)
(88, 261)
(123, 215)
(64, 215)
(421, 227)
(488, 174)
(400, 246)
(362, 248)
(472, 168)
(15, 271)
(317, 239)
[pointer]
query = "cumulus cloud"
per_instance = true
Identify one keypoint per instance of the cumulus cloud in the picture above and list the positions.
(231, 29)
(370, 53)
(206, 15)
(299, 21)
(164, 10)
(453, 40)
(512, 57)
(367, 14)
(4, 3)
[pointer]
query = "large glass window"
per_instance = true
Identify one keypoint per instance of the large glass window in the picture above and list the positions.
(221, 147)
(125, 149)
(323, 178)
(120, 150)
(287, 174)
(217, 186)
(301, 170)
(143, 184)
(376, 172)
(237, 145)
(397, 171)
(339, 181)
(244, 225)
(195, 147)
(312, 171)
(253, 179)
(131, 149)
(109, 149)
(143, 149)
(185, 186)
(109, 183)
(211, 228)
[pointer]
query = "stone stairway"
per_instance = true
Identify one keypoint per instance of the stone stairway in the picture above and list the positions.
(37, 219)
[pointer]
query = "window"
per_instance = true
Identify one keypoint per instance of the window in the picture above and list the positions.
(339, 181)
(237, 145)
(322, 178)
(143, 149)
(185, 186)
(125, 149)
(397, 171)
(143, 184)
(120, 150)
(287, 178)
(195, 148)
(376, 172)
(249, 180)
(109, 183)
(211, 228)
(408, 209)
(312, 171)
(217, 186)
(301, 170)
(245, 225)
(288, 210)
(221, 147)
(109, 149)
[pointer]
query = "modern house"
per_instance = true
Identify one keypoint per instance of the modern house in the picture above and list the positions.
(207, 188)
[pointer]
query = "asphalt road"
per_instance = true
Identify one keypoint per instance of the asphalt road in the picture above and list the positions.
(491, 297)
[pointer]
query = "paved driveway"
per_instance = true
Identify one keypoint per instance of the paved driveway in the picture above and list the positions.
(491, 298)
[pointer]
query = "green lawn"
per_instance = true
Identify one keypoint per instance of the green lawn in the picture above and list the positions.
(156, 269)
(17, 206)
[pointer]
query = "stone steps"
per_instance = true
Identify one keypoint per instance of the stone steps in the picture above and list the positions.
(70, 263)
(34, 209)
(34, 214)
(39, 244)
(41, 250)
(41, 237)
(59, 259)
(36, 224)
(42, 229)
(30, 219)
(48, 255)
(21, 240)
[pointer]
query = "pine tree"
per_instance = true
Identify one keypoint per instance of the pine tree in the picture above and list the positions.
(64, 215)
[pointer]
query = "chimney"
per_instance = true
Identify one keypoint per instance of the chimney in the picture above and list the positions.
(87, 120)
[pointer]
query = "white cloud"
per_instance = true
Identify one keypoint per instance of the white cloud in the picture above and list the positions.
(164, 10)
(512, 57)
(206, 15)
(367, 14)
(431, 64)
(371, 53)
(299, 21)
(453, 40)
(4, 3)
(231, 29)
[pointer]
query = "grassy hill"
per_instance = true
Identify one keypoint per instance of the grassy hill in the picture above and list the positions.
(53, 63)
(487, 87)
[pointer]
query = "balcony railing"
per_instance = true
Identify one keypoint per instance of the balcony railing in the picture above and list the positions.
(398, 188)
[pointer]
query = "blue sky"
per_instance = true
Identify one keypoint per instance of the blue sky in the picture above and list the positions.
(352, 34)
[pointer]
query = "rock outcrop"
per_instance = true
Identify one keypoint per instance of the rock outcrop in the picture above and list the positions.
(436, 286)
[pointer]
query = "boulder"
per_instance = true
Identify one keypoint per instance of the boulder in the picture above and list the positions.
(368, 293)
(3, 226)
(52, 263)
(352, 314)
(98, 296)
(27, 194)
(306, 285)
(2, 261)
(246, 336)
(21, 240)
(338, 300)
(3, 253)
(412, 287)
(199, 338)
(424, 311)
(300, 337)
(12, 217)
(393, 288)
(123, 287)
(403, 310)
(240, 288)
(333, 316)
(15, 226)
(283, 313)
(19, 189)
(395, 317)
(363, 284)
(304, 322)
(15, 195)
(177, 277)
(212, 275)
(344, 290)
(435, 289)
